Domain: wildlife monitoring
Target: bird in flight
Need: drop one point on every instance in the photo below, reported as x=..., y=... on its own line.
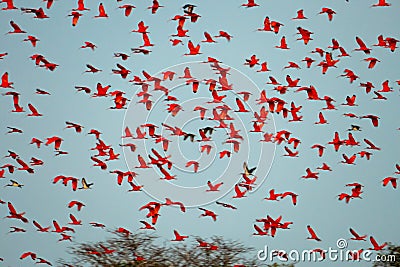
x=188, y=8
x=85, y=185
x=312, y=236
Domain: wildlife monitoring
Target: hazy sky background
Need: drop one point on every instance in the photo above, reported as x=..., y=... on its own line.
x=375, y=214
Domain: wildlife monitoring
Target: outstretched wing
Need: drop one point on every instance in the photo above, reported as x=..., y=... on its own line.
x=11, y=208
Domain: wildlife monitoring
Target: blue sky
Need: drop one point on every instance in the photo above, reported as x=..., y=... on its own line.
x=375, y=214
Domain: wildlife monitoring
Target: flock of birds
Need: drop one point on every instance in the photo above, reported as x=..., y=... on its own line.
x=216, y=112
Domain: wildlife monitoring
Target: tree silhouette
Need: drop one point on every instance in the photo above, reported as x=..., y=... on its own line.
x=140, y=249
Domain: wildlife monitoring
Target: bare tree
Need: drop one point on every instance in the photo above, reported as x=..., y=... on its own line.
x=139, y=249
